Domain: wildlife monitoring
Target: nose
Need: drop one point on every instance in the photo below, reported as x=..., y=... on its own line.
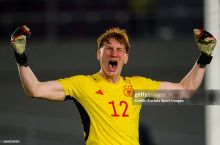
x=114, y=52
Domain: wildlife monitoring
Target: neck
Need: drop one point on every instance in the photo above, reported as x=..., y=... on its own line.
x=113, y=79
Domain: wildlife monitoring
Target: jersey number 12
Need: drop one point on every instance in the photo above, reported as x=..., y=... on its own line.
x=122, y=104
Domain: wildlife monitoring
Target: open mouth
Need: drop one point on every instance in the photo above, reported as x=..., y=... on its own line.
x=113, y=64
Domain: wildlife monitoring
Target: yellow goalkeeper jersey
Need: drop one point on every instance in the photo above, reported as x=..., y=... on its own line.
x=108, y=115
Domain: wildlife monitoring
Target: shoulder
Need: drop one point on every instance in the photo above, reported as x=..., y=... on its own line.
x=76, y=79
x=137, y=78
x=141, y=82
x=80, y=77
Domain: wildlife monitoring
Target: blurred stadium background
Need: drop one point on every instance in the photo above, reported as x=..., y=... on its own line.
x=63, y=43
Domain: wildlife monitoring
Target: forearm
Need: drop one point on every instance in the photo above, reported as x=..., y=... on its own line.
x=194, y=78
x=48, y=90
x=206, y=43
x=191, y=82
x=28, y=79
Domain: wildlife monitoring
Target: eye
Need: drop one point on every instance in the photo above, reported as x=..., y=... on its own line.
x=121, y=49
x=108, y=48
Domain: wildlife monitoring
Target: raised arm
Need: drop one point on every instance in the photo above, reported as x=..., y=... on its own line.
x=191, y=82
x=51, y=90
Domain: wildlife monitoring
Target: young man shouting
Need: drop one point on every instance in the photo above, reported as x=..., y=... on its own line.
x=104, y=99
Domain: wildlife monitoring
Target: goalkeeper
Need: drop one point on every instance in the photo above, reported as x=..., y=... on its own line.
x=104, y=99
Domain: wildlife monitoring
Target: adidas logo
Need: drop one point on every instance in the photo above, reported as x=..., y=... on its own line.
x=99, y=92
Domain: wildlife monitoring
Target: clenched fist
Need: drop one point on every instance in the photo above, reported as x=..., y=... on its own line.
x=206, y=44
x=205, y=41
x=18, y=43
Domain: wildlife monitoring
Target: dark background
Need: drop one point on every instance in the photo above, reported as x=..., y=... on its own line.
x=63, y=43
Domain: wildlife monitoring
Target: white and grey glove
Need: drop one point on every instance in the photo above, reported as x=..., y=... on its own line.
x=206, y=43
x=18, y=43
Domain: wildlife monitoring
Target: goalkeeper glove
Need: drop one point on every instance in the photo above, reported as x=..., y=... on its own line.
x=206, y=44
x=18, y=42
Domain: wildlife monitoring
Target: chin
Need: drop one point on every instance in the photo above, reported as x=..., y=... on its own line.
x=112, y=74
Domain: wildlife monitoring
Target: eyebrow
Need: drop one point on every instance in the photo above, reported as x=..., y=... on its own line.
x=108, y=46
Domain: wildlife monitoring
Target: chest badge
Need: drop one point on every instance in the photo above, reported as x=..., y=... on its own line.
x=128, y=90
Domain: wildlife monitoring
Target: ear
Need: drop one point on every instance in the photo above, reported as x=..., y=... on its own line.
x=98, y=54
x=126, y=58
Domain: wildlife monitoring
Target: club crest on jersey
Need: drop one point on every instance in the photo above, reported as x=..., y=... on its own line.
x=128, y=90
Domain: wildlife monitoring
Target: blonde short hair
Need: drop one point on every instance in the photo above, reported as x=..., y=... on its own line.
x=119, y=34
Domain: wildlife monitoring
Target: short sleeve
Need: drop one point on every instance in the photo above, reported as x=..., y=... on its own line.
x=143, y=83
x=72, y=85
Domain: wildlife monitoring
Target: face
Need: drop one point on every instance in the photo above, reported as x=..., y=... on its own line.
x=112, y=57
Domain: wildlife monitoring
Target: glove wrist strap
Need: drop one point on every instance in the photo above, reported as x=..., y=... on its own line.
x=21, y=59
x=204, y=59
